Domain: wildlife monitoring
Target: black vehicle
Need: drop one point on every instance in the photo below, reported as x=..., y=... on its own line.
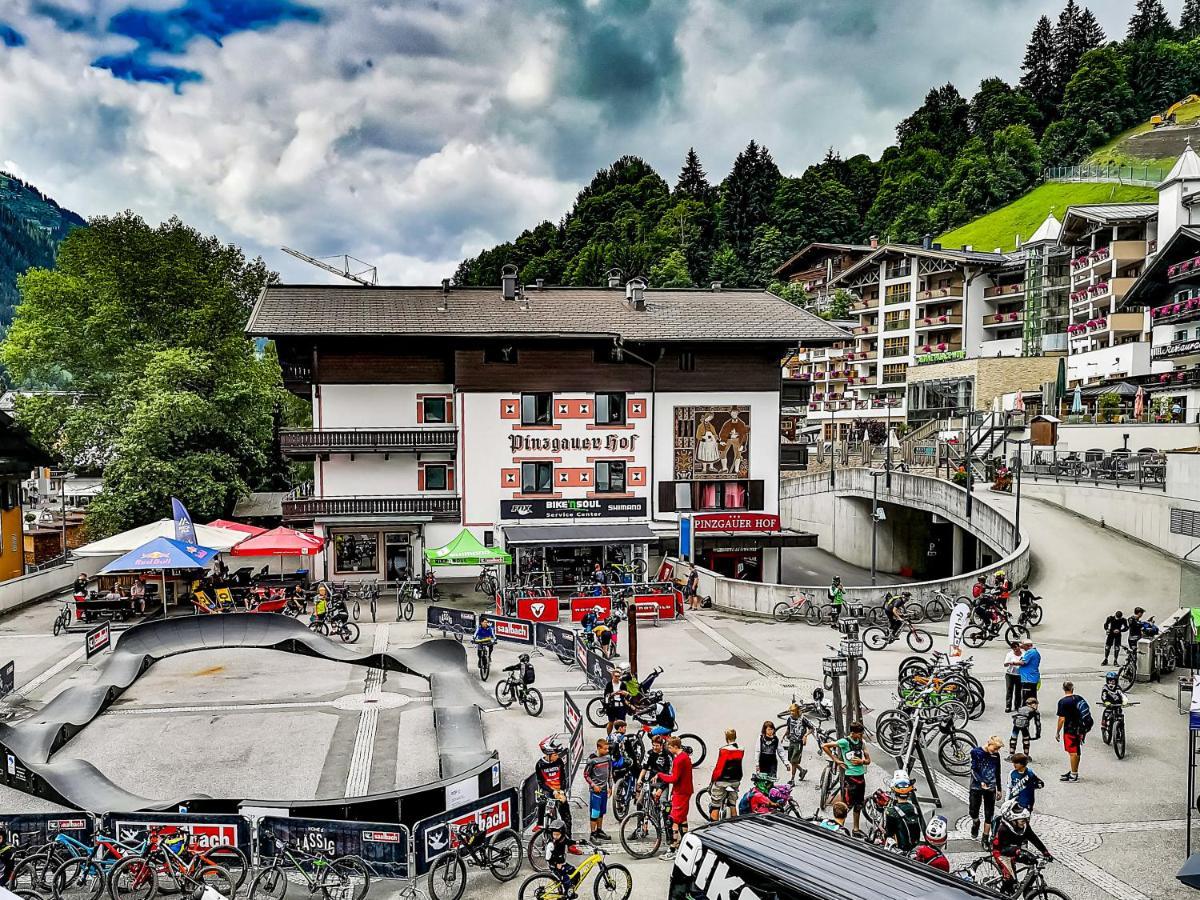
x=777, y=856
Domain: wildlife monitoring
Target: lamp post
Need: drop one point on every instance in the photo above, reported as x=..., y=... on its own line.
x=1017, y=517
x=874, y=521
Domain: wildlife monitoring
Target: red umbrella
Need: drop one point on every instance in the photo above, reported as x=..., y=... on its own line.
x=280, y=542
x=230, y=525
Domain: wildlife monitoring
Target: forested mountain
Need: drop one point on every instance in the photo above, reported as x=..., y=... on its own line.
x=954, y=158
x=31, y=227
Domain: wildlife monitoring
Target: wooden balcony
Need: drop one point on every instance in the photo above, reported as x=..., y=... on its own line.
x=311, y=442
x=936, y=322
x=940, y=293
x=1004, y=290
x=427, y=506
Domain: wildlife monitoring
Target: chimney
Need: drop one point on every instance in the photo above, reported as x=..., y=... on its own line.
x=716, y=286
x=539, y=283
x=937, y=246
x=614, y=278
x=445, y=286
x=635, y=294
x=508, y=282
x=927, y=241
x=874, y=242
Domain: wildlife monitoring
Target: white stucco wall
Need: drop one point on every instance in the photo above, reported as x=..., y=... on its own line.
x=1108, y=437
x=371, y=405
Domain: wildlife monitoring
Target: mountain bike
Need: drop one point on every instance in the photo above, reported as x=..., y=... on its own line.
x=406, y=593
x=488, y=582
x=499, y=853
x=1027, y=868
x=693, y=745
x=726, y=810
x=483, y=652
x=1127, y=672
x=976, y=635
x=947, y=686
x=1031, y=609
x=138, y=877
x=894, y=732
x=613, y=881
x=334, y=878
x=336, y=624
x=1112, y=727
x=628, y=573
x=643, y=829
x=512, y=689
x=802, y=606
x=877, y=637
x=63, y=619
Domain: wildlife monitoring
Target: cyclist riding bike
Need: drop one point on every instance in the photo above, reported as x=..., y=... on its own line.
x=664, y=716
x=550, y=772
x=321, y=604
x=1012, y=834
x=485, y=638
x=524, y=669
x=893, y=607
x=929, y=851
x=757, y=800
x=591, y=619
x=1111, y=696
x=557, y=849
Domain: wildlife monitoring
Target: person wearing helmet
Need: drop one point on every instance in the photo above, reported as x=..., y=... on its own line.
x=557, y=848
x=852, y=756
x=837, y=596
x=664, y=717
x=979, y=588
x=590, y=619
x=1012, y=834
x=550, y=773
x=781, y=795
x=1111, y=697
x=929, y=850
x=758, y=798
x=524, y=669
x=902, y=820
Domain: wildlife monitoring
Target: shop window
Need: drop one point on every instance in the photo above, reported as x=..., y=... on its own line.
x=398, y=550
x=728, y=495
x=434, y=409
x=437, y=478
x=537, y=477
x=537, y=409
x=610, y=409
x=356, y=552
x=610, y=477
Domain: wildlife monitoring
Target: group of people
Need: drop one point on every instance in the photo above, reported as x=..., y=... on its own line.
x=1134, y=628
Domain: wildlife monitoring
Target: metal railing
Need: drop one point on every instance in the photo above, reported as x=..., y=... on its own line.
x=313, y=440
x=1144, y=176
x=447, y=507
x=1119, y=469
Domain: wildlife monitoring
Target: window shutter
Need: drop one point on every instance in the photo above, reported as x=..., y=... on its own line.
x=666, y=496
x=420, y=478
x=756, y=495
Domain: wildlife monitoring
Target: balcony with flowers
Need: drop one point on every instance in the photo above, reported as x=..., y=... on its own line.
x=1184, y=309
x=1003, y=319
x=944, y=320
x=1004, y=290
x=1184, y=268
x=952, y=291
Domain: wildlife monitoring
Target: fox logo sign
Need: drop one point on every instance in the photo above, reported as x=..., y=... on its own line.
x=708, y=873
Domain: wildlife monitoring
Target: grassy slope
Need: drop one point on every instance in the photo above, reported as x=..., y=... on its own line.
x=1022, y=217
x=1120, y=151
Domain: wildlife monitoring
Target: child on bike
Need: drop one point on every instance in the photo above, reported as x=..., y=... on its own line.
x=485, y=637
x=524, y=669
x=1111, y=696
x=1026, y=717
x=1012, y=834
x=757, y=800
x=551, y=776
x=768, y=750
x=556, y=856
x=902, y=820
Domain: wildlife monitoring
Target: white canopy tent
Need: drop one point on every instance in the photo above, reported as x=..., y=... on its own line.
x=218, y=538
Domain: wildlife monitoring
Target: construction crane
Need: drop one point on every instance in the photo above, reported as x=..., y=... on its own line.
x=367, y=275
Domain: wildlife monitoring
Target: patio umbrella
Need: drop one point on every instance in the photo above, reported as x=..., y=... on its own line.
x=1077, y=402
x=230, y=525
x=159, y=555
x=1060, y=383
x=1019, y=402
x=280, y=542
x=1139, y=403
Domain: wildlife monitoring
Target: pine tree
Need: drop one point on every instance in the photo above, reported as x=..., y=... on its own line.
x=693, y=180
x=746, y=196
x=1150, y=22
x=1091, y=34
x=1038, y=80
x=1189, y=20
x=1068, y=46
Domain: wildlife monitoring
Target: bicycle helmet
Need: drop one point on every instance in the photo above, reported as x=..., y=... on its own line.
x=550, y=746
x=762, y=781
x=1110, y=678
x=1017, y=814
x=556, y=825
x=935, y=831
x=781, y=793
x=818, y=694
x=524, y=657
x=902, y=784
x=981, y=578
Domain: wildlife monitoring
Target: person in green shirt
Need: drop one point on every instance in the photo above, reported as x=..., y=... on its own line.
x=837, y=596
x=853, y=757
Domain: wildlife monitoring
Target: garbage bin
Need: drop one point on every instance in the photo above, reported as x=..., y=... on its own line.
x=1185, y=694
x=1145, y=659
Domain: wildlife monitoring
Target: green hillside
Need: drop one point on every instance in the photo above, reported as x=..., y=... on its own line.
x=1022, y=217
x=1144, y=145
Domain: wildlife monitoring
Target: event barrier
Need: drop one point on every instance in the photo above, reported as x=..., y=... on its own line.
x=538, y=609
x=573, y=728
x=449, y=620
x=203, y=830
x=582, y=605
x=529, y=789
x=384, y=847
x=518, y=631
x=35, y=829
x=432, y=837
x=555, y=639
x=596, y=668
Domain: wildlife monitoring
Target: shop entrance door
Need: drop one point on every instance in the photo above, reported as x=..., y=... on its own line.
x=745, y=565
x=398, y=558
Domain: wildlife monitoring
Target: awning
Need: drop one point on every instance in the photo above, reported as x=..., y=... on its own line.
x=161, y=554
x=465, y=550
x=578, y=534
x=752, y=540
x=218, y=538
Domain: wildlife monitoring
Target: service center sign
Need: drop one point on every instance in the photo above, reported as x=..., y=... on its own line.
x=735, y=522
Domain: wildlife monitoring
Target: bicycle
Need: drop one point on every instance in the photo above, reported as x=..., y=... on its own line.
x=512, y=690
x=642, y=830
x=628, y=573
x=1030, y=885
x=918, y=639
x=63, y=619
x=976, y=635
x=1127, y=671
x=406, y=593
x=488, y=582
x=1112, y=727
x=947, y=686
x=614, y=881
x=499, y=853
x=336, y=624
x=137, y=877
x=334, y=878
x=90, y=865
x=1031, y=609
x=726, y=810
x=894, y=733
x=693, y=744
x=802, y=606
x=483, y=651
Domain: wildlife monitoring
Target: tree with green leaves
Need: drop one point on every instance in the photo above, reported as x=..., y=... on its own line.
x=939, y=123
x=1068, y=46
x=792, y=293
x=996, y=106
x=1189, y=20
x=693, y=180
x=1149, y=22
x=768, y=251
x=1037, y=70
x=728, y=269
x=746, y=196
x=169, y=397
x=814, y=207
x=1091, y=33
x=671, y=272
x=839, y=304
x=1099, y=92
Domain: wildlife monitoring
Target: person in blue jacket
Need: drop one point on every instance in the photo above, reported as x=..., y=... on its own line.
x=1030, y=669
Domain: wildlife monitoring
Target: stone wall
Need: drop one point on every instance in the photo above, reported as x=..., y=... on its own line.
x=994, y=376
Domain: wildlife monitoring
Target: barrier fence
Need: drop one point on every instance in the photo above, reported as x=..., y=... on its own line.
x=434, y=836
x=383, y=846
x=35, y=829
x=203, y=830
x=573, y=728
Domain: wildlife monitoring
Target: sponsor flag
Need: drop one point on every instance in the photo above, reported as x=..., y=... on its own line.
x=185, y=531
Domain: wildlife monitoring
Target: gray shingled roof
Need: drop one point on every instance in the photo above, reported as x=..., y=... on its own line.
x=670, y=315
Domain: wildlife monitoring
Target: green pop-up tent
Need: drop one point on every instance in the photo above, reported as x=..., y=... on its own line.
x=465, y=550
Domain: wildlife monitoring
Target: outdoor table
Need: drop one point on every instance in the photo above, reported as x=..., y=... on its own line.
x=103, y=607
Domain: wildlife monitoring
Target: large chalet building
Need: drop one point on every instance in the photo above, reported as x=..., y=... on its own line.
x=568, y=425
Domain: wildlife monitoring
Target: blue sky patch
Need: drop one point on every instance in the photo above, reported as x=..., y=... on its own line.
x=135, y=67
x=10, y=37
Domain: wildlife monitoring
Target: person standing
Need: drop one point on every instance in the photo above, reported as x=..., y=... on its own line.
x=1114, y=626
x=853, y=757
x=680, y=780
x=768, y=750
x=837, y=596
x=598, y=775
x=616, y=701
x=1012, y=677
x=1026, y=717
x=796, y=729
x=1134, y=631
x=985, y=783
x=691, y=587
x=1030, y=669
x=137, y=595
x=726, y=776
x=1074, y=718
x=1023, y=782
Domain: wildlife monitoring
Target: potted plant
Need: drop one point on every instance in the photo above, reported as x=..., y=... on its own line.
x=941, y=347
x=1012, y=317
x=943, y=319
x=927, y=321
x=927, y=349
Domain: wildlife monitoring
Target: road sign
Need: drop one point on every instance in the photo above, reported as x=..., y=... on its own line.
x=96, y=640
x=852, y=648
x=835, y=665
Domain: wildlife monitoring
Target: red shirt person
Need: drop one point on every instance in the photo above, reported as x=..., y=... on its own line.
x=680, y=779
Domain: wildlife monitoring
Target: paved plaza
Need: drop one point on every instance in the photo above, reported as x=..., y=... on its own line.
x=271, y=725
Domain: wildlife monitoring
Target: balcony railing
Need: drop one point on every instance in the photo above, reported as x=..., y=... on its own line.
x=939, y=293
x=892, y=299
x=1183, y=310
x=1003, y=318
x=431, y=506
x=864, y=304
x=897, y=325
x=1183, y=269
x=859, y=356
x=935, y=322
x=1004, y=290
x=366, y=440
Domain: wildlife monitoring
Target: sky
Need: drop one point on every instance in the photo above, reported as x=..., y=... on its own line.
x=413, y=133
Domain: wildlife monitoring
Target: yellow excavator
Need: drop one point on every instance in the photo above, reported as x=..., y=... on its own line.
x=1168, y=117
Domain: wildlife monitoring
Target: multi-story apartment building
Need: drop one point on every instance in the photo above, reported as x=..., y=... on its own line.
x=570, y=425
x=816, y=265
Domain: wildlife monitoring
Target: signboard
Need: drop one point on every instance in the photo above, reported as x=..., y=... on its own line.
x=35, y=829
x=383, y=846
x=573, y=727
x=555, y=639
x=959, y=617
x=538, y=609
x=205, y=831
x=529, y=791
x=8, y=678
x=852, y=648
x=517, y=631
x=434, y=836
x=580, y=606
x=1194, y=709
x=663, y=606
x=97, y=640
x=735, y=522
x=947, y=356
x=835, y=665
x=686, y=550
x=1176, y=348
x=448, y=619
x=16, y=774
x=587, y=508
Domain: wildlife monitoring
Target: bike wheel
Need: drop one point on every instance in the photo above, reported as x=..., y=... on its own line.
x=913, y=612
x=956, y=711
x=76, y=879
x=504, y=693
x=504, y=855
x=270, y=883
x=1125, y=677
x=232, y=860
x=641, y=835
x=876, y=615
x=920, y=640
x=613, y=883
x=58, y=625
x=35, y=872
x=540, y=887
x=485, y=666
x=1046, y=893
x=913, y=665
x=1015, y=633
x=694, y=747
x=937, y=609
x=374, y=606
x=954, y=753
x=536, y=851
x=701, y=801
x=1035, y=614
x=974, y=636
x=892, y=730
x=349, y=633
x=448, y=878
x=219, y=880
x=1118, y=738
x=621, y=795
x=408, y=609
x=783, y=612
x=812, y=614
x=1106, y=731
x=133, y=878
x=356, y=874
x=533, y=702
x=875, y=637
x=595, y=712
x=357, y=609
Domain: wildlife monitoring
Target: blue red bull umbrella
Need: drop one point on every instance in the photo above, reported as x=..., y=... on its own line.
x=162, y=554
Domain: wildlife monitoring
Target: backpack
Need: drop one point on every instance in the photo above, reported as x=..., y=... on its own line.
x=743, y=806
x=529, y=675
x=1086, y=722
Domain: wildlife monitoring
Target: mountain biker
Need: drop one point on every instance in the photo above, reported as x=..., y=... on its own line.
x=597, y=773
x=1026, y=715
x=551, y=776
x=485, y=637
x=635, y=689
x=797, y=728
x=1114, y=626
x=524, y=669
x=780, y=795
x=1134, y=624
x=616, y=705
x=929, y=851
x=556, y=855
x=985, y=784
x=902, y=820
x=591, y=618
x=624, y=748
x=758, y=798
x=1001, y=587
x=837, y=596
x=1012, y=834
x=321, y=604
x=1111, y=696
x=664, y=715
x=853, y=757
x=979, y=588
x=768, y=750
x=893, y=607
x=726, y=775
x=680, y=780
x=8, y=854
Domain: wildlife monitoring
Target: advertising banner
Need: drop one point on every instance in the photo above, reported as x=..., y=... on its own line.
x=34, y=829
x=528, y=803
x=448, y=620
x=959, y=617
x=662, y=605
x=734, y=523
x=518, y=631
x=205, y=831
x=598, y=669
x=554, y=639
x=538, y=609
x=383, y=846
x=97, y=640
x=8, y=678
x=573, y=728
x=580, y=606
x=434, y=836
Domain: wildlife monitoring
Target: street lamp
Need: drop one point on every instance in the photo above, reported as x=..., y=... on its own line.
x=1017, y=517
x=877, y=516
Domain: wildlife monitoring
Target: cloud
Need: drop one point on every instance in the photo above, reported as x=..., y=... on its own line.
x=412, y=133
x=10, y=37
